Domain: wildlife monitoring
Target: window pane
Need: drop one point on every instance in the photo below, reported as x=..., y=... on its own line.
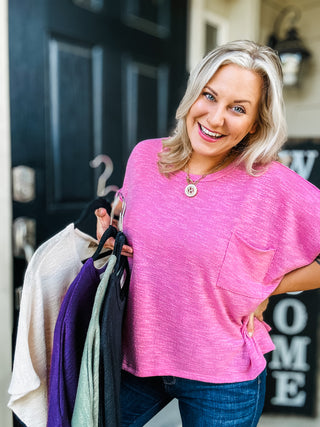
x=211, y=37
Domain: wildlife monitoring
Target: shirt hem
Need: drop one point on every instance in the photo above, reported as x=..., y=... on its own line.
x=225, y=379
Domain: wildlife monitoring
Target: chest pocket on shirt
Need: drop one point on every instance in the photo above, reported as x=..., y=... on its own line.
x=244, y=268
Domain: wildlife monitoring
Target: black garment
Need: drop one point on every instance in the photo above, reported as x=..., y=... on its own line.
x=112, y=313
x=87, y=222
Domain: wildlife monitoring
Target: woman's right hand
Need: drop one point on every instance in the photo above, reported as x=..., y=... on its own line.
x=103, y=222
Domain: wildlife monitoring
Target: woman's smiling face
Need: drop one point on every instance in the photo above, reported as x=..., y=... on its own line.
x=225, y=112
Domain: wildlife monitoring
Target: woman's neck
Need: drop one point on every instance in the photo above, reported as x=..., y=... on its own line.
x=204, y=166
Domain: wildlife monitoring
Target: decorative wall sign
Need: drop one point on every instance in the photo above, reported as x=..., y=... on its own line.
x=292, y=366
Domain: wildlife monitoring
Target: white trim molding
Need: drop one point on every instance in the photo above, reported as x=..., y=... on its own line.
x=200, y=17
x=6, y=305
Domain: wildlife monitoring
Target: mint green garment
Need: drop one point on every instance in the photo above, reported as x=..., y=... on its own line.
x=86, y=408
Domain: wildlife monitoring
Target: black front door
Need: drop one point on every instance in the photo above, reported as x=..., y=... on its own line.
x=87, y=77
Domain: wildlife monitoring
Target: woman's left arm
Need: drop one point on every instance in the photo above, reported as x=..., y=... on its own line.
x=302, y=279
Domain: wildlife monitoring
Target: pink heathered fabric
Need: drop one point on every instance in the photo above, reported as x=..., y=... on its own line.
x=201, y=265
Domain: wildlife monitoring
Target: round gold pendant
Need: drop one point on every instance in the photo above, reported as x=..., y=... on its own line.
x=190, y=190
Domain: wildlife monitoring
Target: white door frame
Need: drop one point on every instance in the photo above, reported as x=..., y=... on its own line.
x=6, y=305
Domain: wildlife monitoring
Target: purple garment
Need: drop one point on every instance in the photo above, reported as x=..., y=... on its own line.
x=68, y=343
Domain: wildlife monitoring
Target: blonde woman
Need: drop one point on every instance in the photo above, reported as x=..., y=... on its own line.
x=215, y=226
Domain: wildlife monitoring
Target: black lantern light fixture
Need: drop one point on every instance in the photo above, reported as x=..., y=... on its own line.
x=291, y=49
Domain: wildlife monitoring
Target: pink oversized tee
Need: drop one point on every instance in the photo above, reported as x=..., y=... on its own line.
x=201, y=265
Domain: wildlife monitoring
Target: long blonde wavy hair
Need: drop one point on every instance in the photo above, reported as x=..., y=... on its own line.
x=257, y=149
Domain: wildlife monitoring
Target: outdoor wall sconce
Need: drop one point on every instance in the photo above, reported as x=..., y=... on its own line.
x=292, y=52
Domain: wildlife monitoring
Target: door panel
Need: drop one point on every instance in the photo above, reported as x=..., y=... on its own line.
x=146, y=90
x=149, y=17
x=75, y=121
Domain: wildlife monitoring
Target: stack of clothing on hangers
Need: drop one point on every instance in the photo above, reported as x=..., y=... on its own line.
x=67, y=362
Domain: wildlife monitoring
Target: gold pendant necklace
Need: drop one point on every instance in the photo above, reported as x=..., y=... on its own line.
x=191, y=188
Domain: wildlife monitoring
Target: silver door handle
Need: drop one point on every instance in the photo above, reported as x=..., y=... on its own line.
x=23, y=184
x=24, y=237
x=24, y=241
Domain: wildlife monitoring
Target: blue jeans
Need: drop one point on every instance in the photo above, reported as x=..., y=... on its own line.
x=201, y=404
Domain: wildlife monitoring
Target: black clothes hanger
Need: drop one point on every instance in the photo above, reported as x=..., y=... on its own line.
x=122, y=263
x=87, y=222
x=111, y=231
x=118, y=244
